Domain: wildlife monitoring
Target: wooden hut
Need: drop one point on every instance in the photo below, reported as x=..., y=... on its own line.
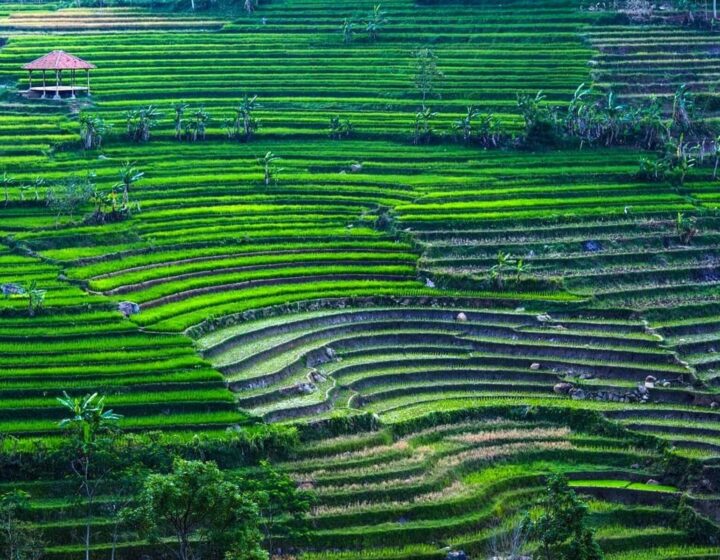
x=58, y=62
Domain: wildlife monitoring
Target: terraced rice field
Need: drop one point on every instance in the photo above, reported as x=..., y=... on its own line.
x=359, y=288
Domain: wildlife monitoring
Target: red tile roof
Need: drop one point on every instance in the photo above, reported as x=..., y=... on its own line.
x=58, y=60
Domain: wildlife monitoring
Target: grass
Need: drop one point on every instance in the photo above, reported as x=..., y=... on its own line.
x=371, y=247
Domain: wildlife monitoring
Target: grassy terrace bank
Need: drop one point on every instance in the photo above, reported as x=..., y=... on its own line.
x=358, y=295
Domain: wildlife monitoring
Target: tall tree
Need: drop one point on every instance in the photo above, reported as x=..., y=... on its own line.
x=90, y=429
x=562, y=526
x=278, y=498
x=427, y=72
x=18, y=539
x=205, y=514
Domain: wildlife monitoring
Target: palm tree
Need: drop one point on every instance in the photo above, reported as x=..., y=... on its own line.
x=245, y=124
x=683, y=107
x=179, y=109
x=7, y=182
x=87, y=424
x=504, y=260
x=197, y=127
x=348, y=28
x=268, y=163
x=423, y=129
x=38, y=183
x=36, y=298
x=464, y=125
x=129, y=175
x=92, y=131
x=376, y=21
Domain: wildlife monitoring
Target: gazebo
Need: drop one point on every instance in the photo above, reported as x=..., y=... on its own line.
x=58, y=62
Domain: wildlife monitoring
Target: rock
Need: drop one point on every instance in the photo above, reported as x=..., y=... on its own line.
x=652, y=482
x=305, y=388
x=714, y=404
x=330, y=353
x=591, y=246
x=635, y=466
x=543, y=317
x=11, y=290
x=519, y=310
x=128, y=308
x=707, y=485
x=456, y=555
x=578, y=394
x=356, y=167
x=562, y=388
x=666, y=384
x=650, y=381
x=429, y=283
x=642, y=390
x=535, y=366
x=586, y=376
x=461, y=317
x=316, y=377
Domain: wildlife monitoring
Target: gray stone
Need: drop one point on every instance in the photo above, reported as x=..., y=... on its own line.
x=578, y=394
x=562, y=388
x=535, y=366
x=305, y=388
x=128, y=308
x=652, y=482
x=11, y=289
x=592, y=246
x=461, y=317
x=330, y=353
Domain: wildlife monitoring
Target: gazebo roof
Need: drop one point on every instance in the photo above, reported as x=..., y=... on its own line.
x=58, y=60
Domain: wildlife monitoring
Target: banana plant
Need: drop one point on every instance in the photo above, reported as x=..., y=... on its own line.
x=129, y=175
x=269, y=164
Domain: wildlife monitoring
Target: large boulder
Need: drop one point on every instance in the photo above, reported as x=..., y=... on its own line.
x=128, y=308
x=562, y=388
x=11, y=290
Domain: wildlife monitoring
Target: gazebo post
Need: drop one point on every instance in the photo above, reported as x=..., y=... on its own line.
x=87, y=72
x=72, y=84
x=57, y=84
x=43, y=93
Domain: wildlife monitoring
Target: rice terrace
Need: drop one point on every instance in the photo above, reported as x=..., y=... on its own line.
x=359, y=279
